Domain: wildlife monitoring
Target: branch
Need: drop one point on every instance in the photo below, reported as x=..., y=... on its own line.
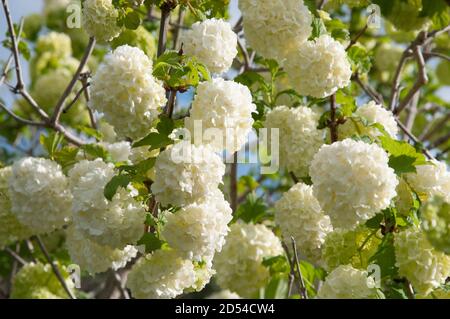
x=413, y=138
x=176, y=36
x=396, y=83
x=54, y=267
x=441, y=140
x=84, y=77
x=171, y=102
x=16, y=256
x=437, y=55
x=163, y=27
x=333, y=122
x=21, y=120
x=73, y=82
x=245, y=54
x=368, y=90
x=303, y=291
x=355, y=39
x=15, y=47
x=75, y=99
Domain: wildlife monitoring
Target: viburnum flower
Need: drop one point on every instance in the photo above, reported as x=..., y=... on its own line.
x=119, y=151
x=185, y=173
x=272, y=27
x=38, y=281
x=335, y=4
x=418, y=261
x=352, y=181
x=319, y=68
x=213, y=42
x=239, y=264
x=431, y=179
x=52, y=5
x=371, y=113
x=100, y=19
x=11, y=229
x=225, y=106
x=435, y=216
x=58, y=45
x=140, y=38
x=299, y=138
x=354, y=247
x=39, y=194
x=95, y=258
x=346, y=282
x=299, y=215
x=203, y=274
x=161, y=275
x=198, y=230
x=125, y=91
x=114, y=223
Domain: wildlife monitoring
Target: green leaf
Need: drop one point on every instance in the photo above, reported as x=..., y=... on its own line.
x=114, y=184
x=51, y=143
x=89, y=131
x=277, y=288
x=318, y=28
x=375, y=222
x=66, y=157
x=96, y=151
x=252, y=210
x=155, y=140
x=385, y=257
x=360, y=59
x=277, y=265
x=437, y=11
x=347, y=103
x=165, y=125
x=151, y=242
x=132, y=20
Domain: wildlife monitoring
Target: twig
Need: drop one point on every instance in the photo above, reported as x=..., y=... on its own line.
x=120, y=285
x=421, y=80
x=75, y=99
x=84, y=78
x=409, y=289
x=333, y=122
x=6, y=69
x=358, y=35
x=233, y=183
x=437, y=55
x=413, y=138
x=441, y=140
x=429, y=133
x=163, y=27
x=294, y=178
x=368, y=90
x=73, y=82
x=16, y=256
x=12, y=33
x=303, y=291
x=19, y=119
x=176, y=35
x=441, y=154
x=244, y=54
x=54, y=267
x=292, y=272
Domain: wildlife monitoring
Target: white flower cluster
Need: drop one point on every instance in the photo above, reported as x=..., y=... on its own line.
x=352, y=181
x=417, y=260
x=55, y=44
x=319, y=68
x=93, y=257
x=432, y=179
x=213, y=42
x=125, y=91
x=299, y=215
x=224, y=294
x=161, y=275
x=39, y=193
x=435, y=216
x=185, y=173
x=225, y=106
x=346, y=282
x=372, y=113
x=273, y=27
x=11, y=229
x=299, y=137
x=119, y=151
x=198, y=230
x=100, y=19
x=114, y=223
x=38, y=281
x=239, y=264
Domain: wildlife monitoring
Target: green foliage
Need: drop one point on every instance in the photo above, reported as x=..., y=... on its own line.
x=385, y=257
x=360, y=59
x=151, y=242
x=253, y=210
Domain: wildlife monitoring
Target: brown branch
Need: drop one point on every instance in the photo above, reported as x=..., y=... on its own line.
x=15, y=46
x=73, y=82
x=333, y=121
x=19, y=119
x=244, y=52
x=55, y=268
x=294, y=178
x=441, y=140
x=444, y=151
x=163, y=28
x=84, y=77
x=75, y=99
x=355, y=39
x=395, y=90
x=368, y=90
x=436, y=55
x=176, y=35
x=16, y=256
x=413, y=138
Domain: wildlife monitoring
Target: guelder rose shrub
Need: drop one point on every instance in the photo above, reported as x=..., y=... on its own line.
x=199, y=149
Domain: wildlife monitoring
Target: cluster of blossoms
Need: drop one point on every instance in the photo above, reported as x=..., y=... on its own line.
x=274, y=27
x=37, y=281
x=318, y=68
x=125, y=91
x=213, y=43
x=435, y=216
x=418, y=261
x=239, y=264
x=299, y=215
x=299, y=137
x=140, y=38
x=224, y=111
x=100, y=19
x=115, y=223
x=40, y=195
x=346, y=282
x=371, y=113
x=352, y=181
x=432, y=179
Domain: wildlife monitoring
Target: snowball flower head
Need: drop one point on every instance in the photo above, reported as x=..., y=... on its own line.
x=185, y=173
x=299, y=215
x=239, y=264
x=346, y=282
x=299, y=137
x=161, y=275
x=38, y=281
x=58, y=45
x=198, y=230
x=435, y=216
x=431, y=179
x=95, y=258
x=100, y=19
x=319, y=68
x=352, y=181
x=115, y=223
x=223, y=294
x=119, y=151
x=372, y=113
x=222, y=111
x=11, y=229
x=39, y=193
x=272, y=26
x=140, y=38
x=213, y=42
x=125, y=91
x=417, y=260
x=354, y=247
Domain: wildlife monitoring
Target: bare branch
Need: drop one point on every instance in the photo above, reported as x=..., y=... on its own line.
x=368, y=90
x=355, y=39
x=437, y=55
x=246, y=65
x=163, y=28
x=441, y=140
x=395, y=90
x=16, y=256
x=19, y=119
x=176, y=35
x=303, y=291
x=333, y=122
x=413, y=138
